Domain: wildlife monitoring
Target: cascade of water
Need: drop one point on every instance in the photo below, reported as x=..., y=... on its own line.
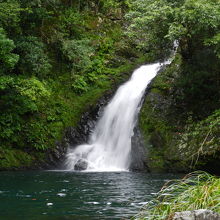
x=110, y=144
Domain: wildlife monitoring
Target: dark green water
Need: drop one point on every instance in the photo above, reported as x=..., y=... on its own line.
x=72, y=195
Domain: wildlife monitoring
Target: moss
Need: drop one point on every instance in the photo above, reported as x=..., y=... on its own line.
x=14, y=159
x=180, y=140
x=156, y=134
x=17, y=159
x=156, y=161
x=159, y=122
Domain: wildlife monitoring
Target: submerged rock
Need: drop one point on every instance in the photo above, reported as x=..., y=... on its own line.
x=201, y=214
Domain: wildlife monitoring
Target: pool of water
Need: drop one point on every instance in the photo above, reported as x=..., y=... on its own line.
x=43, y=195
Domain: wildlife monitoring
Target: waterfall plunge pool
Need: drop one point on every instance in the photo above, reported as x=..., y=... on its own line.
x=43, y=195
x=66, y=195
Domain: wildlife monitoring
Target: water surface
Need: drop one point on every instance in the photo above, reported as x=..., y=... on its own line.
x=76, y=195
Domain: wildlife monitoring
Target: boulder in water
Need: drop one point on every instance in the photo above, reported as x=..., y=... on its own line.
x=81, y=165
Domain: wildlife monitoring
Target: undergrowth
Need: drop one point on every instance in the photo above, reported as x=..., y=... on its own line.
x=201, y=138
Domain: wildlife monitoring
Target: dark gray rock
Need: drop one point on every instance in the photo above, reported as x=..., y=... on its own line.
x=81, y=165
x=201, y=214
x=53, y=157
x=138, y=151
x=80, y=134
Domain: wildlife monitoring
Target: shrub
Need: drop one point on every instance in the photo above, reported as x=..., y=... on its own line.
x=33, y=59
x=7, y=58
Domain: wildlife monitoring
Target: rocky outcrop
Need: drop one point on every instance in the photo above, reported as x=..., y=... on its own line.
x=201, y=214
x=179, y=135
x=138, y=151
x=75, y=136
x=80, y=134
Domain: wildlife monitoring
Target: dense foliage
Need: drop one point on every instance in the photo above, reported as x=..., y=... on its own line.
x=155, y=25
x=193, y=25
x=181, y=113
x=57, y=58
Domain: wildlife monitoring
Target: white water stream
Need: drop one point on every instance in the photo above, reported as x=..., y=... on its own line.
x=109, y=145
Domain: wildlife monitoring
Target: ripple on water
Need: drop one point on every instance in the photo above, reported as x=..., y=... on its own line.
x=61, y=194
x=94, y=203
x=68, y=195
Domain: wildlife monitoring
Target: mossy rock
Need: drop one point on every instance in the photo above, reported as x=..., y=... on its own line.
x=173, y=141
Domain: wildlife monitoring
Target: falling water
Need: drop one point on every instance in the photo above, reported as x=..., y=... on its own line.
x=109, y=145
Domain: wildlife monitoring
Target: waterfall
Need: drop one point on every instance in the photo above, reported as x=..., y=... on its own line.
x=109, y=145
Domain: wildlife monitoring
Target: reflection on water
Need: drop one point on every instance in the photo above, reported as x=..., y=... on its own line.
x=75, y=195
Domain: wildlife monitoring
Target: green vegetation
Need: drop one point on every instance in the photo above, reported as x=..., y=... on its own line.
x=181, y=132
x=179, y=118
x=200, y=143
x=193, y=192
x=57, y=58
x=156, y=24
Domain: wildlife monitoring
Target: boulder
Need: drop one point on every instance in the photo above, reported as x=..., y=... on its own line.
x=81, y=165
x=201, y=214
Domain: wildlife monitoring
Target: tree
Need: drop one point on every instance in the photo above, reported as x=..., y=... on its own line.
x=149, y=23
x=7, y=58
x=10, y=15
x=156, y=24
x=78, y=53
x=34, y=60
x=194, y=23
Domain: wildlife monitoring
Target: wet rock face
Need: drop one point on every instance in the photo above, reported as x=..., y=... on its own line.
x=138, y=151
x=79, y=135
x=201, y=214
x=53, y=158
x=73, y=136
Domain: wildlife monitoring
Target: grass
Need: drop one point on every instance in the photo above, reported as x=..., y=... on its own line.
x=198, y=190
